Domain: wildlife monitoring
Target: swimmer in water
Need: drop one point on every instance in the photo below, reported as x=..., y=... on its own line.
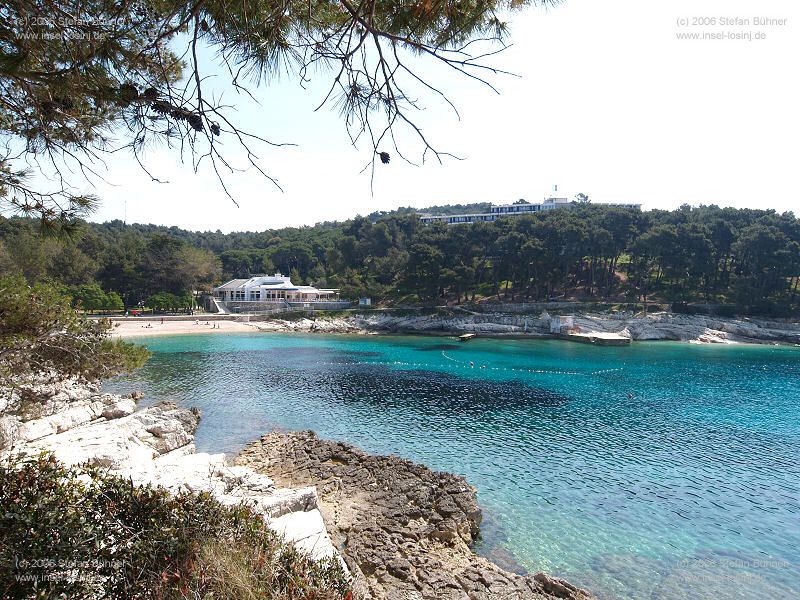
x=630, y=396
x=471, y=365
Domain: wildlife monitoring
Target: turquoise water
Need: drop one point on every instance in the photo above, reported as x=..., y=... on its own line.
x=656, y=471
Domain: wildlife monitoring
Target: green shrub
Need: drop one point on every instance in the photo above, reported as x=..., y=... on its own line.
x=40, y=333
x=165, y=302
x=82, y=533
x=91, y=297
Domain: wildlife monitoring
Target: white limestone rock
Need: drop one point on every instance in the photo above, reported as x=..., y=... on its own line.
x=9, y=431
x=306, y=530
x=288, y=500
x=122, y=408
x=131, y=440
x=165, y=427
x=76, y=414
x=654, y=326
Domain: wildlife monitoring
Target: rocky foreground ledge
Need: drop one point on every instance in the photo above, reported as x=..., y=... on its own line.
x=155, y=445
x=403, y=530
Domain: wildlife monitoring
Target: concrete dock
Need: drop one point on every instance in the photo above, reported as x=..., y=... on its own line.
x=598, y=338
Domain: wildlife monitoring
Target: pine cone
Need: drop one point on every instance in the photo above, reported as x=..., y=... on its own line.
x=195, y=121
x=127, y=93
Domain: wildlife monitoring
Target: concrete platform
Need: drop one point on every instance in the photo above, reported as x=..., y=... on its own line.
x=597, y=338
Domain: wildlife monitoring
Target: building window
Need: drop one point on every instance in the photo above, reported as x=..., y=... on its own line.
x=256, y=295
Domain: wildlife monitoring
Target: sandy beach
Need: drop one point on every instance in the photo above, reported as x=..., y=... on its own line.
x=133, y=327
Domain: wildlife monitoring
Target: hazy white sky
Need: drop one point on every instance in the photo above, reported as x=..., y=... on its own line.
x=610, y=103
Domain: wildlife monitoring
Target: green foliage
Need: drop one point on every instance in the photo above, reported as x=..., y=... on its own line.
x=114, y=302
x=121, y=261
x=750, y=258
x=166, y=302
x=85, y=534
x=92, y=297
x=40, y=333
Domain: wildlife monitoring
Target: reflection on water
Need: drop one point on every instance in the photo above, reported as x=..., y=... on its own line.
x=433, y=392
x=656, y=471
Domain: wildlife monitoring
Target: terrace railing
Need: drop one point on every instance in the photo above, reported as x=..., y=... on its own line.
x=277, y=307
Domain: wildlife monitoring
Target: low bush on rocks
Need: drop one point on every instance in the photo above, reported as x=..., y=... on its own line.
x=43, y=337
x=79, y=532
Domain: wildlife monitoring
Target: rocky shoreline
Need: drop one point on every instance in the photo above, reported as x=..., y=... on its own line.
x=655, y=326
x=627, y=326
x=402, y=530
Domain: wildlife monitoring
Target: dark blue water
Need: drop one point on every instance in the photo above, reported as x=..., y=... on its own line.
x=657, y=471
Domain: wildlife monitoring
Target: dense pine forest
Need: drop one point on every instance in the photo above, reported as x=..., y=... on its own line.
x=747, y=260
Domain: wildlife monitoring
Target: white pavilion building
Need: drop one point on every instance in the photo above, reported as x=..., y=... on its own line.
x=275, y=288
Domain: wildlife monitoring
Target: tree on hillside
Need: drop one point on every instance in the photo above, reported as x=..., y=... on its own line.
x=121, y=268
x=292, y=256
x=71, y=265
x=767, y=258
x=7, y=265
x=79, y=80
x=165, y=302
x=31, y=254
x=237, y=263
x=199, y=268
x=161, y=264
x=92, y=297
x=424, y=269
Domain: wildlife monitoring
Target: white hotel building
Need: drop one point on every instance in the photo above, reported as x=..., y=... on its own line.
x=498, y=211
x=268, y=291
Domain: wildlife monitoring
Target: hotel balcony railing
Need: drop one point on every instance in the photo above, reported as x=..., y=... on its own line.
x=274, y=306
x=277, y=300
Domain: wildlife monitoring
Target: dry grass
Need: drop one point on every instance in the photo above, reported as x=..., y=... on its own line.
x=221, y=570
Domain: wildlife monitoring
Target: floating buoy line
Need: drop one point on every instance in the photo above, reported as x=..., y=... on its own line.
x=472, y=366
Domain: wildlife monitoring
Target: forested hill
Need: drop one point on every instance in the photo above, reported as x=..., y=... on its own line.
x=748, y=258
